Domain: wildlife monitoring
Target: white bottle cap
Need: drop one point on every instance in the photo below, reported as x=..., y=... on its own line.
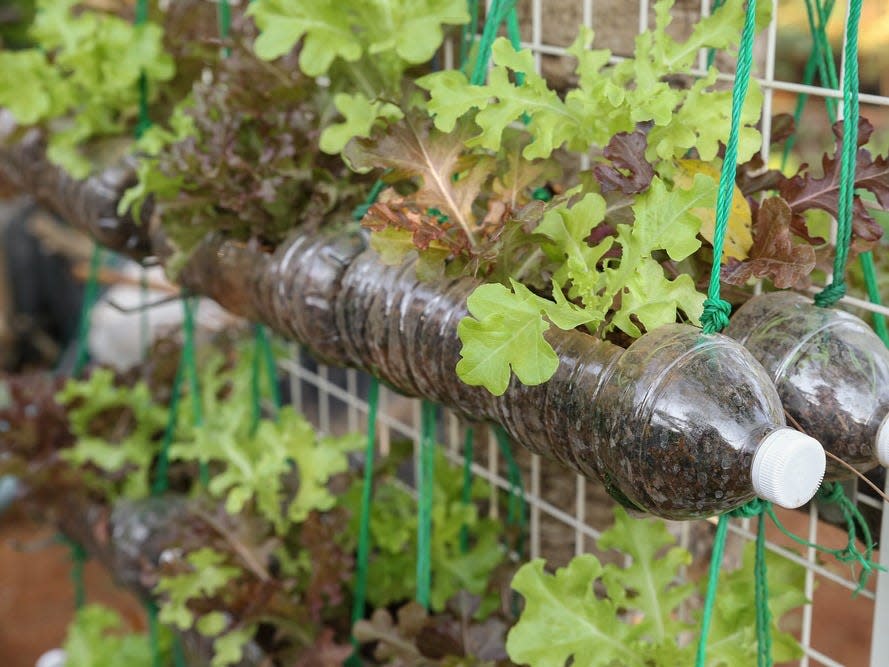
x=788, y=468
x=882, y=442
x=54, y=658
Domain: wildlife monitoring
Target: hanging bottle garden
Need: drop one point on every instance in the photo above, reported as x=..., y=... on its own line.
x=305, y=165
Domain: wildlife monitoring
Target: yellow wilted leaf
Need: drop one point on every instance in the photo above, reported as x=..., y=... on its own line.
x=738, y=237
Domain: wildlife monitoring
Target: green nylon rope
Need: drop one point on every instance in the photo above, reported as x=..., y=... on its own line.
x=467, y=34
x=363, y=553
x=154, y=630
x=224, y=14
x=714, y=319
x=820, y=53
x=763, y=615
x=426, y=493
x=78, y=558
x=866, y=259
x=817, y=16
x=712, y=581
x=517, y=507
x=161, y=478
x=144, y=121
x=498, y=12
x=832, y=493
x=711, y=53
x=362, y=556
x=190, y=361
x=81, y=357
x=90, y=296
x=716, y=310
x=821, y=58
x=837, y=287
x=263, y=361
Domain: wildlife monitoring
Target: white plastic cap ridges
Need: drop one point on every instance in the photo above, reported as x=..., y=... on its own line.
x=788, y=468
x=882, y=442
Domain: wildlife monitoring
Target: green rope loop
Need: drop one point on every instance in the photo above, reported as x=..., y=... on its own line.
x=715, y=315
x=466, y=496
x=854, y=522
x=837, y=288
x=426, y=493
x=752, y=509
x=362, y=557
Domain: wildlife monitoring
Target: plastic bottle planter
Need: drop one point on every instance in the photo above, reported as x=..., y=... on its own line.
x=831, y=371
x=680, y=424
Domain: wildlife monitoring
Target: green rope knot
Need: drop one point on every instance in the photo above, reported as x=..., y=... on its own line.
x=832, y=492
x=831, y=294
x=716, y=313
x=755, y=507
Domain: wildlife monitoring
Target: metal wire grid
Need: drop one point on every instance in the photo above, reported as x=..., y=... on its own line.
x=337, y=400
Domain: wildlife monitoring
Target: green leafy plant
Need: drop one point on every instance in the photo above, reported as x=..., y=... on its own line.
x=602, y=615
x=208, y=577
x=393, y=529
x=365, y=48
x=259, y=466
x=95, y=638
x=117, y=429
x=82, y=79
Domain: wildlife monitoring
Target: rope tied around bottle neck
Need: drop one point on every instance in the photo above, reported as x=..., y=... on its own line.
x=715, y=318
x=716, y=312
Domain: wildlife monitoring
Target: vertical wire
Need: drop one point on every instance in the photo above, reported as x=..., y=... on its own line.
x=494, y=470
x=643, y=16
x=535, y=507
x=579, y=514
x=324, y=400
x=385, y=431
x=809, y=586
x=352, y=389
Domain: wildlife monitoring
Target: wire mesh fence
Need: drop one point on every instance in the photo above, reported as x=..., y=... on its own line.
x=567, y=513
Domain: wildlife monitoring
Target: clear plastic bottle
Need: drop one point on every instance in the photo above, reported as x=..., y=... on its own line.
x=831, y=371
x=680, y=424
